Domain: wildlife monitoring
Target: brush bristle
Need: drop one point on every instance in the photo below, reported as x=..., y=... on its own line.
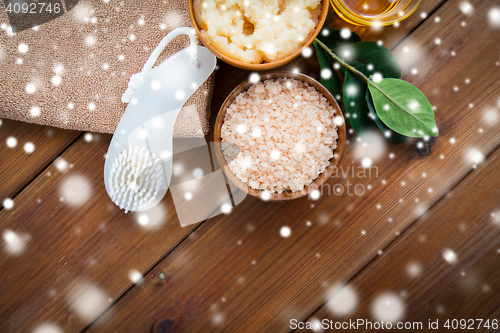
x=135, y=178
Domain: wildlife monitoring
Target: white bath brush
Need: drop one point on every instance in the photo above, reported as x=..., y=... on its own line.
x=138, y=165
x=135, y=178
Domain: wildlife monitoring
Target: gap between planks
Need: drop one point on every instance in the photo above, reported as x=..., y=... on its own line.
x=480, y=236
x=50, y=160
x=454, y=182
x=154, y=266
x=469, y=177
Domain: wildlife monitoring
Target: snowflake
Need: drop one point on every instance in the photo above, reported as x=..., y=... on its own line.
x=56, y=81
x=351, y=90
x=29, y=147
x=466, y=8
x=47, y=328
x=135, y=276
x=22, y=48
x=450, y=256
x=388, y=307
x=314, y=194
x=326, y=73
x=180, y=95
x=366, y=162
x=342, y=300
x=414, y=269
x=177, y=169
x=218, y=319
x=265, y=195
x=83, y=12
x=345, y=33
x=197, y=173
x=285, y=232
x=58, y=69
x=495, y=217
x=90, y=40
x=254, y=78
x=475, y=156
x=11, y=142
x=307, y=52
x=8, y=203
x=30, y=88
x=88, y=137
x=491, y=116
x=76, y=190
x=226, y=208
x=15, y=243
x=494, y=17
x=87, y=300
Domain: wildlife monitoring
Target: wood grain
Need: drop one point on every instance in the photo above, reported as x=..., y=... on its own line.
x=467, y=222
x=18, y=168
x=210, y=280
x=238, y=274
x=64, y=239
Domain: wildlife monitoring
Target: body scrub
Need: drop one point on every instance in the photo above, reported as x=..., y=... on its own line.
x=257, y=31
x=285, y=132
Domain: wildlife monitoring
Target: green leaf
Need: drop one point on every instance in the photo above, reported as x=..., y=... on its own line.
x=388, y=133
x=403, y=108
x=326, y=62
x=367, y=54
x=355, y=106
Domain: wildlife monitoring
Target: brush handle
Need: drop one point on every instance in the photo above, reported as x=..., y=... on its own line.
x=150, y=116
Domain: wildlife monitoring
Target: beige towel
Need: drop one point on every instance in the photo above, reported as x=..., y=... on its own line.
x=72, y=71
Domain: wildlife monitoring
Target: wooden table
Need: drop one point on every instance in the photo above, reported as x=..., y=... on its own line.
x=421, y=243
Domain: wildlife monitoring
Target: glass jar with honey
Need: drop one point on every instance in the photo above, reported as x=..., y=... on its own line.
x=374, y=12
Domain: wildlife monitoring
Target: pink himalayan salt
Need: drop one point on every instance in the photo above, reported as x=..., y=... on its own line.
x=285, y=132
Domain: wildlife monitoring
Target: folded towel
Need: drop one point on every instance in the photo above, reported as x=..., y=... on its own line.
x=71, y=72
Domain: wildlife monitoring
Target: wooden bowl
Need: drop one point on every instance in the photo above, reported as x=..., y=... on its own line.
x=322, y=178
x=266, y=65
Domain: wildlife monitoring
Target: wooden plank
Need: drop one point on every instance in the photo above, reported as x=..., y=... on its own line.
x=415, y=270
x=236, y=273
x=17, y=167
x=80, y=244
x=65, y=240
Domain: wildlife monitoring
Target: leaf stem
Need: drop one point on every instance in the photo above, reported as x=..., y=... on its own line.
x=365, y=78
